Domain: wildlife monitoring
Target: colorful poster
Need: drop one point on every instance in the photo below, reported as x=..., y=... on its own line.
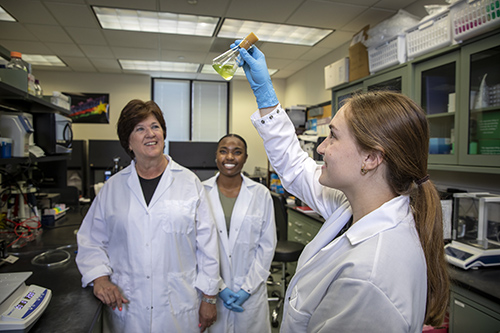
x=89, y=108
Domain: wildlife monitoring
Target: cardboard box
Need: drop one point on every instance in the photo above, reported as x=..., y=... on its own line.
x=337, y=73
x=358, y=56
x=15, y=77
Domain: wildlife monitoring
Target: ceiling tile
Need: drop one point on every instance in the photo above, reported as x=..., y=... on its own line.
x=15, y=31
x=325, y=14
x=132, y=53
x=131, y=4
x=371, y=16
x=336, y=39
x=29, y=11
x=185, y=43
x=97, y=51
x=203, y=7
x=107, y=65
x=73, y=15
x=79, y=64
x=49, y=33
x=179, y=56
x=65, y=49
x=315, y=53
x=28, y=47
x=263, y=10
x=90, y=36
x=285, y=51
x=131, y=39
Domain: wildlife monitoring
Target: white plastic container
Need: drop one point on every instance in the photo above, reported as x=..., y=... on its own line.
x=432, y=34
x=391, y=52
x=472, y=18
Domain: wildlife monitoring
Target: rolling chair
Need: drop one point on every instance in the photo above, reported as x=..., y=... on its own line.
x=286, y=251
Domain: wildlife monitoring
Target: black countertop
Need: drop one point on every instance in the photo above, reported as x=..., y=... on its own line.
x=72, y=308
x=484, y=281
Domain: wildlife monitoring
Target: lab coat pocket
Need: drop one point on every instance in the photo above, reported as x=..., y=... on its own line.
x=178, y=216
x=295, y=320
x=182, y=294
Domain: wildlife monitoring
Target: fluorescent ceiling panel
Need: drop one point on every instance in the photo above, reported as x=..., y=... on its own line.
x=161, y=22
x=208, y=69
x=162, y=66
x=4, y=16
x=43, y=60
x=270, y=32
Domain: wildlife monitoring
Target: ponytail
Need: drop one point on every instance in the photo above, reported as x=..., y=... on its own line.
x=427, y=213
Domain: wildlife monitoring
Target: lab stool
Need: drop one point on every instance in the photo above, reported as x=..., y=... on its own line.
x=286, y=252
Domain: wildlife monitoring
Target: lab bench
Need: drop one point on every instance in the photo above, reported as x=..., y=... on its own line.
x=72, y=308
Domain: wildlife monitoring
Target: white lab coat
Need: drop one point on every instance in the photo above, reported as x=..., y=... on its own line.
x=158, y=255
x=246, y=255
x=370, y=279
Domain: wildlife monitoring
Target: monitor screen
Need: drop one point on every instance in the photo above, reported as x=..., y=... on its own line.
x=193, y=155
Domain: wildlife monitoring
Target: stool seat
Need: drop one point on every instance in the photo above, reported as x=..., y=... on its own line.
x=288, y=251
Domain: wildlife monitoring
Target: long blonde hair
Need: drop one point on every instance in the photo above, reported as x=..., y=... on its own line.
x=395, y=125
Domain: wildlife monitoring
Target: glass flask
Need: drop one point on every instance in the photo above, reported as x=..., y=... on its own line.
x=228, y=62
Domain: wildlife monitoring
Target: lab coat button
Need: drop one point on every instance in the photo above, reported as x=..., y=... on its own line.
x=270, y=117
x=263, y=121
x=147, y=277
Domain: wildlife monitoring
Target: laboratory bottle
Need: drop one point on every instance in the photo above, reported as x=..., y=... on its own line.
x=228, y=62
x=38, y=88
x=16, y=61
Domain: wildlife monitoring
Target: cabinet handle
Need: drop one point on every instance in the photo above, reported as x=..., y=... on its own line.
x=298, y=232
x=298, y=224
x=460, y=304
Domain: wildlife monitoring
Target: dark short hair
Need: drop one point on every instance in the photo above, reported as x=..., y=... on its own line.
x=133, y=113
x=234, y=136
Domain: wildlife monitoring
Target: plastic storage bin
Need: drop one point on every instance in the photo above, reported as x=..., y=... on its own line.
x=472, y=18
x=390, y=53
x=429, y=35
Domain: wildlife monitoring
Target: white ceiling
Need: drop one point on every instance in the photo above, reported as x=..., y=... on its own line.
x=70, y=30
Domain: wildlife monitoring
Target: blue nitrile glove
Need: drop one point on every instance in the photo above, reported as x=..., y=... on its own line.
x=233, y=307
x=242, y=297
x=229, y=297
x=255, y=67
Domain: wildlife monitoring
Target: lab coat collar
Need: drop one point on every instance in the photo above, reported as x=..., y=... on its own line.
x=239, y=211
x=165, y=182
x=386, y=217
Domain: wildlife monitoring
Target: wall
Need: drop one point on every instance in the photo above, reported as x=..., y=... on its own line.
x=120, y=87
x=123, y=87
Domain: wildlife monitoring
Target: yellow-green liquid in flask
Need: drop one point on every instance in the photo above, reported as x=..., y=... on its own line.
x=226, y=71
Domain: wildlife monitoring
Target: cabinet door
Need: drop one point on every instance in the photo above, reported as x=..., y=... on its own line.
x=480, y=103
x=436, y=82
x=395, y=80
x=340, y=95
x=468, y=316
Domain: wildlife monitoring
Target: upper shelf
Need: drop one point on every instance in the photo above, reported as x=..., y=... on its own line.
x=15, y=99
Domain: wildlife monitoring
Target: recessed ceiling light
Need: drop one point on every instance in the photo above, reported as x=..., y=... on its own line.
x=270, y=32
x=161, y=66
x=161, y=22
x=4, y=16
x=43, y=60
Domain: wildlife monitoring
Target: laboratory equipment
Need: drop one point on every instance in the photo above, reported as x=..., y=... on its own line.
x=476, y=231
x=53, y=133
x=21, y=305
x=227, y=63
x=16, y=125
